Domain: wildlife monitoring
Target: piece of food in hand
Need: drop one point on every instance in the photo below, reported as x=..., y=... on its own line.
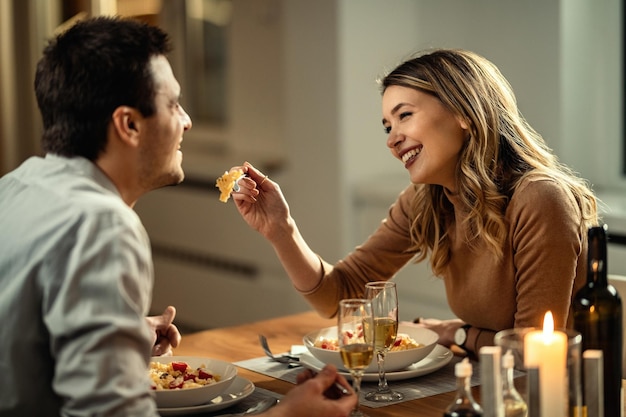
x=226, y=183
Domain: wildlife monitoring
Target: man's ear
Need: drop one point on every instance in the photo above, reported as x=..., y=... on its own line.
x=126, y=122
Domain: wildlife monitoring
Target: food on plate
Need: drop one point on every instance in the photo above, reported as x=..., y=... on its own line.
x=226, y=183
x=403, y=342
x=179, y=375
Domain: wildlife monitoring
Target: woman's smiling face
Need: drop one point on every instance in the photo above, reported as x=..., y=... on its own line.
x=424, y=135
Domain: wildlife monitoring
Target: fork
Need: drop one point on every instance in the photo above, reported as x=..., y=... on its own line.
x=292, y=360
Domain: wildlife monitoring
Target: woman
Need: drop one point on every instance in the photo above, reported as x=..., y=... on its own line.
x=502, y=222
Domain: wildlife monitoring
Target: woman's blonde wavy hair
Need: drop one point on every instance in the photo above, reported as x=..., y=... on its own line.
x=502, y=150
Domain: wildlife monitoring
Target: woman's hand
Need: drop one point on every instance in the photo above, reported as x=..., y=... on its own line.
x=261, y=202
x=262, y=205
x=166, y=334
x=444, y=328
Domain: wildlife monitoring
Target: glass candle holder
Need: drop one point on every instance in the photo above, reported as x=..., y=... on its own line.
x=513, y=340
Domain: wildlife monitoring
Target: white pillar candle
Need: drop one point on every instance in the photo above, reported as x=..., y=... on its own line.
x=547, y=351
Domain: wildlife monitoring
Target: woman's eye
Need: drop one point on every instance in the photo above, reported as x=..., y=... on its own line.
x=405, y=114
x=387, y=129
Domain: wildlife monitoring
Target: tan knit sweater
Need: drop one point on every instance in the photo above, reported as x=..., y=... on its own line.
x=544, y=264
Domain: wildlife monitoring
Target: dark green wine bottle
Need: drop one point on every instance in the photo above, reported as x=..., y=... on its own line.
x=598, y=317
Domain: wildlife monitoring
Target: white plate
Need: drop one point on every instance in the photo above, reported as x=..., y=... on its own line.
x=238, y=390
x=437, y=359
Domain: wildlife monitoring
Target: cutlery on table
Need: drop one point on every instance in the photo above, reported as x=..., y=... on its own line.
x=260, y=407
x=294, y=361
x=289, y=359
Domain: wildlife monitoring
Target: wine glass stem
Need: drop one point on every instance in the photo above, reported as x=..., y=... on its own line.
x=356, y=386
x=382, y=379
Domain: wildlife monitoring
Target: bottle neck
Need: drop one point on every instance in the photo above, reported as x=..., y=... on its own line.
x=598, y=278
x=509, y=377
x=463, y=384
x=596, y=258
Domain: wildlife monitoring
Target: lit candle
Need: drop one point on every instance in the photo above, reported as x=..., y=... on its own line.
x=547, y=351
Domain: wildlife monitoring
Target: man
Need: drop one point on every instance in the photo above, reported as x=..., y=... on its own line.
x=75, y=263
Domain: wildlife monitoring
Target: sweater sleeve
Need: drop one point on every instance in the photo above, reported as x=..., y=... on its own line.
x=377, y=259
x=547, y=243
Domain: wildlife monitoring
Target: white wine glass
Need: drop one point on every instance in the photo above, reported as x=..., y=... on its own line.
x=355, y=334
x=384, y=298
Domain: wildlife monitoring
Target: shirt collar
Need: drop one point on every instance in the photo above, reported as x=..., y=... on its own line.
x=87, y=168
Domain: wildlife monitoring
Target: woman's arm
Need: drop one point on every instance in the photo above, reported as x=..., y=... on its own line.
x=263, y=206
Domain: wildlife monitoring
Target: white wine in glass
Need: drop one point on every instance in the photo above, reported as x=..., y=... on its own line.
x=355, y=333
x=384, y=298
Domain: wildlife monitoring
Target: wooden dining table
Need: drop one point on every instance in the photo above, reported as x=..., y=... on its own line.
x=238, y=343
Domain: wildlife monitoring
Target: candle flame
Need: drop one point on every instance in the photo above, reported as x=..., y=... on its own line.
x=548, y=324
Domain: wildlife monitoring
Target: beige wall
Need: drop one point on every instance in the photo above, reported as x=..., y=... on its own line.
x=25, y=25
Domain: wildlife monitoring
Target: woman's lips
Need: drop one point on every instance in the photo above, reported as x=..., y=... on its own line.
x=411, y=154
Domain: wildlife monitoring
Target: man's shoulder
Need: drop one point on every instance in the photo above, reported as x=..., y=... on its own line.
x=54, y=193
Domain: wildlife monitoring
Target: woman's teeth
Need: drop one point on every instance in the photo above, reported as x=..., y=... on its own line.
x=410, y=154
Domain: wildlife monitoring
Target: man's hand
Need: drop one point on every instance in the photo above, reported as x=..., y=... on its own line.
x=314, y=396
x=166, y=334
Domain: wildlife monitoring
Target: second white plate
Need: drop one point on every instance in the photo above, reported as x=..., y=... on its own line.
x=437, y=359
x=238, y=390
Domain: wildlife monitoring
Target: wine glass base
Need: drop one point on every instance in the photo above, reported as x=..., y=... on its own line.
x=384, y=397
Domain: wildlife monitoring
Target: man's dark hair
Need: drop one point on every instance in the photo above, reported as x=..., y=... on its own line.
x=87, y=72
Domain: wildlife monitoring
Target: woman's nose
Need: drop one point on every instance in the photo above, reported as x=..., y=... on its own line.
x=394, y=139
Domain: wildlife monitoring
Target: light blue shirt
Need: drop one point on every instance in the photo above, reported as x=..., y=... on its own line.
x=75, y=286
